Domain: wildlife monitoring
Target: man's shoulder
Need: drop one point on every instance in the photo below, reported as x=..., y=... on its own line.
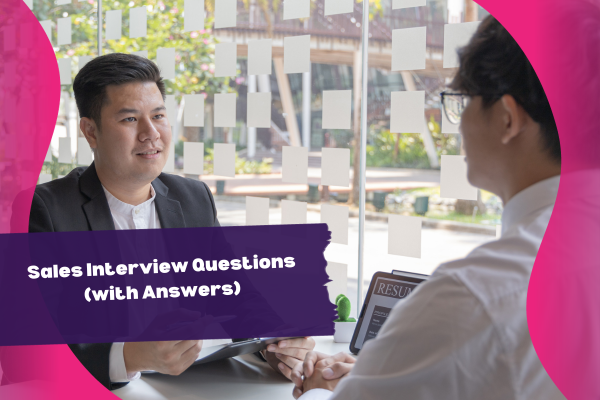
x=493, y=271
x=178, y=183
x=61, y=187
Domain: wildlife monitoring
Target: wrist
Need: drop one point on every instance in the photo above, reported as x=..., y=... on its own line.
x=132, y=364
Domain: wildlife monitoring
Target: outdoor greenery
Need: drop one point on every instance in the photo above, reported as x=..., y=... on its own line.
x=406, y=150
x=401, y=202
x=195, y=50
x=242, y=166
x=56, y=169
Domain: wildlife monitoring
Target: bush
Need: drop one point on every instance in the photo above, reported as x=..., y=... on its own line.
x=410, y=154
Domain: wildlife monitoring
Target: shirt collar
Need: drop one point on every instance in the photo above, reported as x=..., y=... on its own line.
x=119, y=207
x=527, y=201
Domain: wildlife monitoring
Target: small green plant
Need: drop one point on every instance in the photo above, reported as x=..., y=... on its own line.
x=343, y=309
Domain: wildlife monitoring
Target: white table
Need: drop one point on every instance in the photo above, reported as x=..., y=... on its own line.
x=243, y=377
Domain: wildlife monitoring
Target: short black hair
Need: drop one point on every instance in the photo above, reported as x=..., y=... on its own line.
x=492, y=65
x=111, y=69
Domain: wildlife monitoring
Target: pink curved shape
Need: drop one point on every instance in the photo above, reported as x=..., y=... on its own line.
x=29, y=101
x=562, y=40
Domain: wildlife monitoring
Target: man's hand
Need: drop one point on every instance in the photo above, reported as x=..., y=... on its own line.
x=286, y=354
x=170, y=358
x=320, y=371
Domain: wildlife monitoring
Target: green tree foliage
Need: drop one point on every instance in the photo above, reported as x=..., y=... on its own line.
x=194, y=50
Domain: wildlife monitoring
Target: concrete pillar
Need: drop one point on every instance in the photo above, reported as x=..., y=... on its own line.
x=251, y=131
x=306, y=108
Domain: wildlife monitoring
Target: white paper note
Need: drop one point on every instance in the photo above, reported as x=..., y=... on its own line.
x=44, y=178
x=141, y=53
x=138, y=22
x=447, y=126
x=260, y=57
x=404, y=236
x=224, y=159
x=396, y=4
x=455, y=37
x=293, y=212
x=257, y=210
x=407, y=112
x=453, y=179
x=294, y=168
x=114, y=20
x=193, y=15
x=337, y=109
x=48, y=155
x=336, y=218
x=83, y=60
x=225, y=59
x=225, y=13
x=193, y=158
x=335, y=167
x=338, y=273
x=296, y=54
x=84, y=152
x=293, y=9
x=498, y=231
x=171, y=105
x=64, y=150
x=29, y=4
x=193, y=115
x=333, y=7
x=409, y=48
x=225, y=110
x=259, y=110
x=165, y=59
x=63, y=26
x=47, y=26
x=64, y=70
x=169, y=167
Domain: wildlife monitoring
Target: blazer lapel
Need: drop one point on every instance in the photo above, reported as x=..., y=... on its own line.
x=169, y=211
x=96, y=210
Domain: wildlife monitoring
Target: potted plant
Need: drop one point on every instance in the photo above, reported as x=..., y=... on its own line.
x=344, y=326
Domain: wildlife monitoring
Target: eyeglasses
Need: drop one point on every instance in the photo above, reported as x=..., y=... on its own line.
x=454, y=105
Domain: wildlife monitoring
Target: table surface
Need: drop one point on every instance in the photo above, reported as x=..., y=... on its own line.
x=243, y=377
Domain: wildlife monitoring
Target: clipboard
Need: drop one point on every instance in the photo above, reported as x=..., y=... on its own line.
x=384, y=292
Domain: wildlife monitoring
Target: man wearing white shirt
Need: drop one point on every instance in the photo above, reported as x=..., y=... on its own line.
x=120, y=98
x=463, y=335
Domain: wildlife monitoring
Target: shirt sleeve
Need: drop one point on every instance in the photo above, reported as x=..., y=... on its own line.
x=116, y=365
x=316, y=394
x=429, y=348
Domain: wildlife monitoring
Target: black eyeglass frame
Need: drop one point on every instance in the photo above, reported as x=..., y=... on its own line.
x=463, y=103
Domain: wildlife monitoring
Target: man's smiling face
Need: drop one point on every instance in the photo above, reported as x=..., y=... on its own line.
x=133, y=141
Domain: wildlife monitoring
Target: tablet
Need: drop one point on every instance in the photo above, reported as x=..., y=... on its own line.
x=384, y=292
x=233, y=349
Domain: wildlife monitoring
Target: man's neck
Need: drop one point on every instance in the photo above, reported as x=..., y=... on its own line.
x=523, y=180
x=127, y=193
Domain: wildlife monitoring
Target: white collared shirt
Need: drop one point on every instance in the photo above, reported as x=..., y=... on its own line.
x=127, y=216
x=463, y=335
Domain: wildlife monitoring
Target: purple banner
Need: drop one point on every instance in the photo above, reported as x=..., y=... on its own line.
x=164, y=284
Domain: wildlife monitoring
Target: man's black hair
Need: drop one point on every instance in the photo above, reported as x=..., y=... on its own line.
x=492, y=65
x=111, y=69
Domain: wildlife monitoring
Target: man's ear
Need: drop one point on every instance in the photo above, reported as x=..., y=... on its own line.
x=90, y=131
x=514, y=118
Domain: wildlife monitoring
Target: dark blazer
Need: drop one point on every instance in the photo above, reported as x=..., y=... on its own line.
x=77, y=203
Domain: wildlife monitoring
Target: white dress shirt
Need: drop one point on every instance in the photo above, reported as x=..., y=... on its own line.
x=462, y=335
x=126, y=216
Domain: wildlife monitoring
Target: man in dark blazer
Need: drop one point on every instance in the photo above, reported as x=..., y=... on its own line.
x=120, y=98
